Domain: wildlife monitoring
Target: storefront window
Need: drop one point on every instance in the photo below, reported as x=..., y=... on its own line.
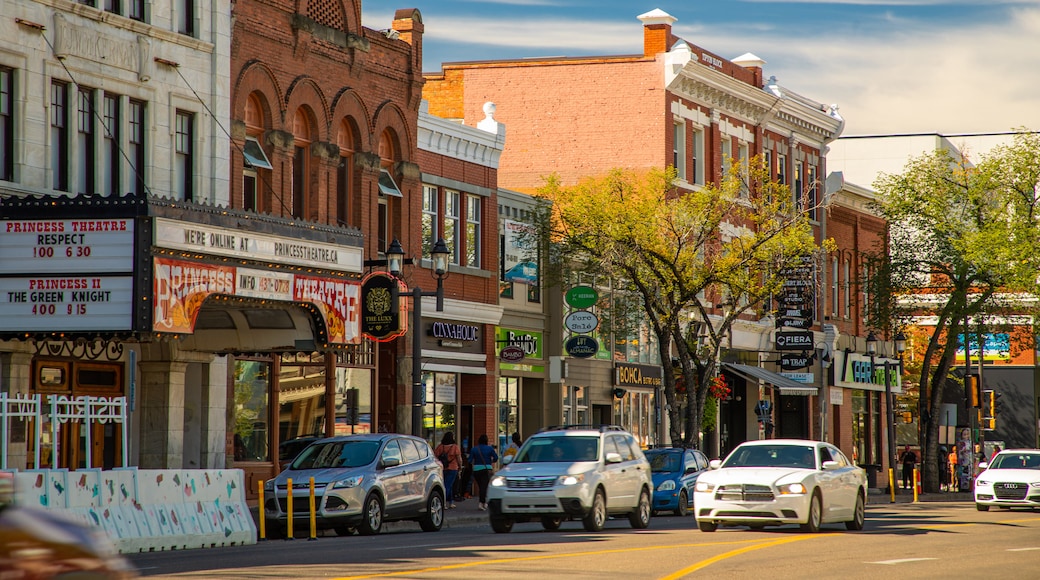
x=439, y=412
x=301, y=402
x=508, y=410
x=634, y=412
x=576, y=406
x=353, y=401
x=252, y=385
x=865, y=435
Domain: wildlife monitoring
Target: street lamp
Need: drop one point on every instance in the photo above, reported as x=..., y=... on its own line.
x=394, y=260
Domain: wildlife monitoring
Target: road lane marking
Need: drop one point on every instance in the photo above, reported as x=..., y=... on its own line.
x=732, y=553
x=901, y=561
x=551, y=557
x=1021, y=549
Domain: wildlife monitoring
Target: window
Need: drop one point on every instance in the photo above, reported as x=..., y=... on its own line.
x=679, y=149
x=473, y=231
x=347, y=205
x=799, y=200
x=60, y=135
x=439, y=410
x=769, y=163
x=252, y=392
x=727, y=157
x=811, y=191
x=6, y=124
x=186, y=17
x=184, y=143
x=697, y=158
x=575, y=405
x=452, y=200
x=508, y=410
x=846, y=288
x=136, y=149
x=781, y=169
x=742, y=156
x=834, y=286
x=111, y=165
x=85, y=141
x=301, y=161
x=864, y=291
x=429, y=219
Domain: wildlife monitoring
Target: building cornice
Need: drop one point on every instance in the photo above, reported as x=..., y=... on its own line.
x=458, y=141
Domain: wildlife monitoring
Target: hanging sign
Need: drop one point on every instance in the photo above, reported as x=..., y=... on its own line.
x=381, y=319
x=581, y=346
x=581, y=297
x=581, y=321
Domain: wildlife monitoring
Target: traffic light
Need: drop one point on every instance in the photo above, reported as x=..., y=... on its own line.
x=971, y=384
x=989, y=423
x=908, y=417
x=989, y=404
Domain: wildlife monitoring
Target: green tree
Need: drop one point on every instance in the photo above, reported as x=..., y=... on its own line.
x=962, y=250
x=697, y=262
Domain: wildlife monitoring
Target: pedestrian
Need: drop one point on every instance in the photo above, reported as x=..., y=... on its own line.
x=483, y=457
x=908, y=458
x=450, y=456
x=954, y=472
x=944, y=469
x=996, y=449
x=513, y=447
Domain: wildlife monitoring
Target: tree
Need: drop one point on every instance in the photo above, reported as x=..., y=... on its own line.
x=697, y=261
x=962, y=251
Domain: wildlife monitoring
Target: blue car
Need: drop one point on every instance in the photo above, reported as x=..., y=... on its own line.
x=675, y=472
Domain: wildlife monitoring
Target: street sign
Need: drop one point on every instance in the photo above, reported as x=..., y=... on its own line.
x=581, y=321
x=795, y=322
x=797, y=313
x=794, y=340
x=581, y=346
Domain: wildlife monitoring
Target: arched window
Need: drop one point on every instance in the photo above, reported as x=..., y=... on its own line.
x=301, y=162
x=347, y=203
x=388, y=189
x=255, y=162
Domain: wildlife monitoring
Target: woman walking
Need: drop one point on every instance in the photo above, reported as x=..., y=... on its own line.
x=483, y=457
x=450, y=456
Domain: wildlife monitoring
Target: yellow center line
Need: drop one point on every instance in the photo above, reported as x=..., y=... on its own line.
x=732, y=553
x=547, y=557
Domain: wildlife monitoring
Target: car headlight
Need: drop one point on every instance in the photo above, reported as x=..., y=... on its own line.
x=498, y=481
x=349, y=482
x=570, y=479
x=269, y=485
x=1035, y=484
x=791, y=489
x=981, y=482
x=705, y=487
x=666, y=485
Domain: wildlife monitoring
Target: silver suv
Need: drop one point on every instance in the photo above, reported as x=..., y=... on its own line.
x=573, y=471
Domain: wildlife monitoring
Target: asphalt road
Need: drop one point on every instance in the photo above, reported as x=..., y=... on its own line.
x=904, y=540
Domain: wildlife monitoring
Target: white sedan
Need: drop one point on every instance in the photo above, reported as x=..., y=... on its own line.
x=781, y=481
x=1011, y=479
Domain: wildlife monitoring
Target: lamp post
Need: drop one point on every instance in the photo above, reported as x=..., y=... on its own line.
x=890, y=413
x=394, y=259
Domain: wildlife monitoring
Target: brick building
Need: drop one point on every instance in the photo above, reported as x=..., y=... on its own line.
x=676, y=104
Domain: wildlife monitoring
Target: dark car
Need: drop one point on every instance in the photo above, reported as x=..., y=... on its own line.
x=675, y=472
x=36, y=543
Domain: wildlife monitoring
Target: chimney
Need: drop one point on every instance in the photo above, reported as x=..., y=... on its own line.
x=753, y=64
x=408, y=26
x=657, y=31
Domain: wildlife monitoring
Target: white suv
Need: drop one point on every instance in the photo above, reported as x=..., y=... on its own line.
x=573, y=471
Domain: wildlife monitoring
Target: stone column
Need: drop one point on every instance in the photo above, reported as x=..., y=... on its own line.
x=161, y=412
x=15, y=379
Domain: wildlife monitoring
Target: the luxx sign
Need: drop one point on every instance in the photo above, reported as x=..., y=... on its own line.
x=381, y=318
x=793, y=340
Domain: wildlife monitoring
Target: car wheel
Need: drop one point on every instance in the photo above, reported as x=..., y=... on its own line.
x=552, y=524
x=982, y=508
x=501, y=525
x=707, y=526
x=815, y=514
x=858, y=517
x=597, y=517
x=344, y=530
x=683, y=507
x=434, y=517
x=640, y=518
x=371, y=516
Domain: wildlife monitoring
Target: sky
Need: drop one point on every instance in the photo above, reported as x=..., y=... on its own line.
x=891, y=66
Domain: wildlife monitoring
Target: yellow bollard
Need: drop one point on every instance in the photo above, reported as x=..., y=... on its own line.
x=892, y=483
x=314, y=522
x=263, y=520
x=917, y=484
x=288, y=508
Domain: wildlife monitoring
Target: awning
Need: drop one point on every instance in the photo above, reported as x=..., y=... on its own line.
x=786, y=385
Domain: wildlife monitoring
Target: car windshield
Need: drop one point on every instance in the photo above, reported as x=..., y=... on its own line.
x=664, y=462
x=563, y=449
x=1016, y=461
x=800, y=456
x=337, y=454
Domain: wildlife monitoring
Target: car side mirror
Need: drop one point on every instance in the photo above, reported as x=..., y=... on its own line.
x=715, y=464
x=830, y=465
x=613, y=457
x=983, y=465
x=507, y=459
x=391, y=462
x=691, y=469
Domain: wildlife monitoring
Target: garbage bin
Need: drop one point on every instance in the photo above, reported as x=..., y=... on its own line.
x=872, y=470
